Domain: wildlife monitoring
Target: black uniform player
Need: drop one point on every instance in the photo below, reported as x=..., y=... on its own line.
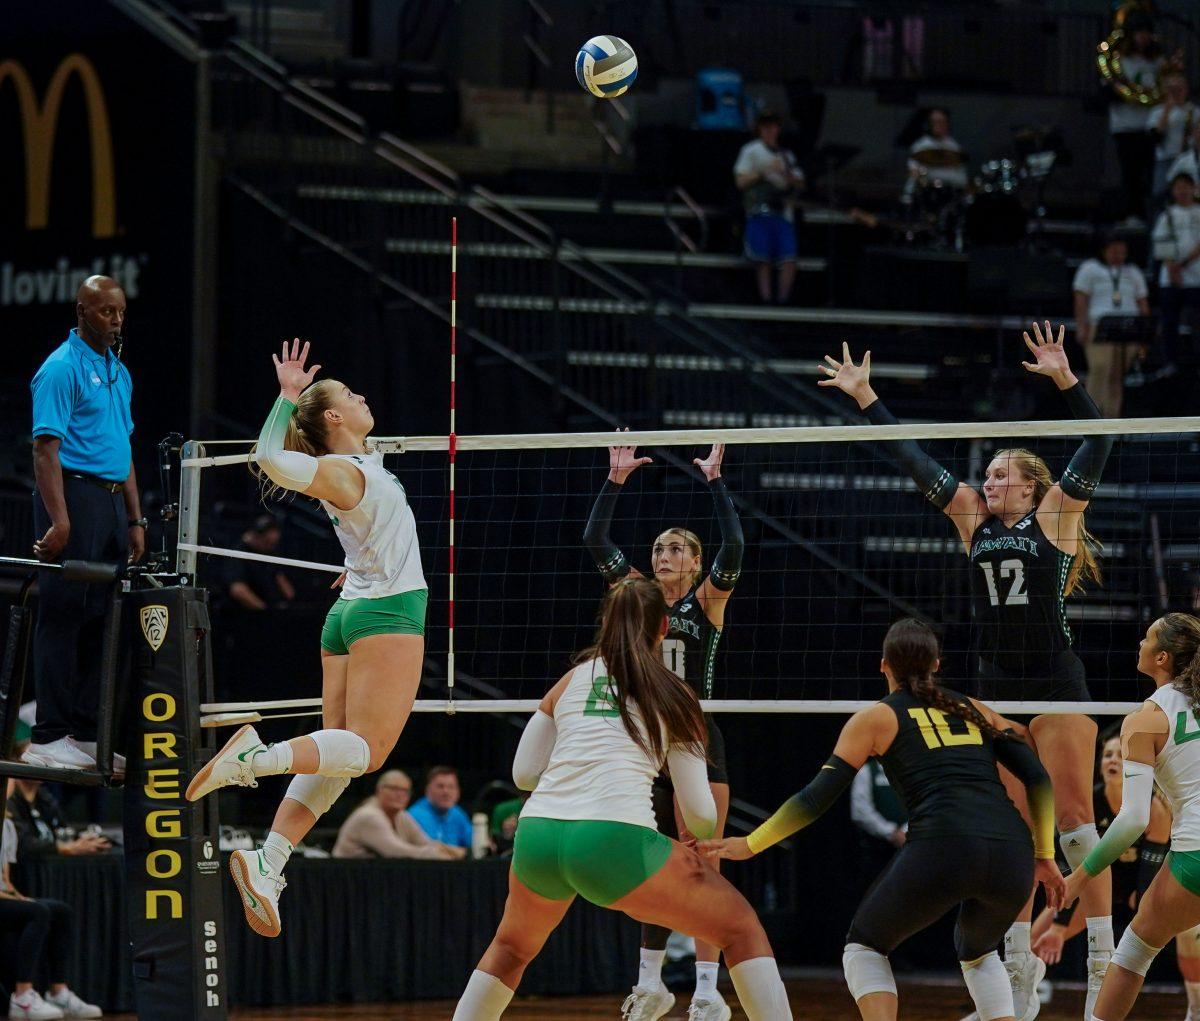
x=1036, y=553
x=696, y=603
x=967, y=845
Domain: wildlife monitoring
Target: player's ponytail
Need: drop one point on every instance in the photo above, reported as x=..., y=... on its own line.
x=632, y=619
x=1178, y=635
x=306, y=429
x=911, y=653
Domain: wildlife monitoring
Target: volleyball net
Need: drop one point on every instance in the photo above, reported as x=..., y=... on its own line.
x=839, y=543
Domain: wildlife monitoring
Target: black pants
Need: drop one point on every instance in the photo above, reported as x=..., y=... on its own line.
x=989, y=881
x=40, y=927
x=1135, y=153
x=70, y=617
x=1173, y=301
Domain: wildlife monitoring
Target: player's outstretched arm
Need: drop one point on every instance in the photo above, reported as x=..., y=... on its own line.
x=610, y=561
x=715, y=590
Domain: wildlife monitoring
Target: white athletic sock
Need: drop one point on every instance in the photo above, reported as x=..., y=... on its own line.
x=1016, y=940
x=760, y=990
x=650, y=968
x=276, y=850
x=484, y=999
x=276, y=759
x=706, y=979
x=1100, y=935
x=1193, y=995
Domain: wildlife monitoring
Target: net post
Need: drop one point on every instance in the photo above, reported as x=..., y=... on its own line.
x=452, y=449
x=189, y=510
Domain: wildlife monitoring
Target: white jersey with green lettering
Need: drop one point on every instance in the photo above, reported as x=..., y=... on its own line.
x=1177, y=768
x=379, y=536
x=596, y=771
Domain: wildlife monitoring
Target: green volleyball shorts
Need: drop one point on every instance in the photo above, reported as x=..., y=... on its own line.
x=600, y=861
x=1185, y=867
x=349, y=620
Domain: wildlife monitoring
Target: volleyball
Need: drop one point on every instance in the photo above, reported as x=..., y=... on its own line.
x=606, y=66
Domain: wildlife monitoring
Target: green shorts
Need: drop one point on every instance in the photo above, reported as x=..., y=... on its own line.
x=349, y=620
x=600, y=861
x=1185, y=867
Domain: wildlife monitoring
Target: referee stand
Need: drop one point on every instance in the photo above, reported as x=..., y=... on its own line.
x=155, y=672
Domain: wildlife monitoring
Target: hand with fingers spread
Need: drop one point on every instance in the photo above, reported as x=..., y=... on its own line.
x=289, y=369
x=711, y=465
x=623, y=462
x=851, y=379
x=1049, y=945
x=1050, y=357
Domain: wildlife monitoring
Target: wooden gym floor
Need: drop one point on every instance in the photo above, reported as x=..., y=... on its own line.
x=812, y=1000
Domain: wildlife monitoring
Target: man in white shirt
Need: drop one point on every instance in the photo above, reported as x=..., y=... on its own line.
x=1188, y=161
x=1177, y=244
x=769, y=179
x=1172, y=125
x=936, y=156
x=1107, y=286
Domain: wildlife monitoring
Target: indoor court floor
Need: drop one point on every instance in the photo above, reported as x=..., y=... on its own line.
x=812, y=1000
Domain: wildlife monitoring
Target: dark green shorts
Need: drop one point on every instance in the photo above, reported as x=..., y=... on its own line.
x=349, y=620
x=600, y=861
x=1185, y=867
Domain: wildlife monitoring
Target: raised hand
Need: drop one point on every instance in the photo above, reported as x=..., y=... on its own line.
x=623, y=462
x=851, y=379
x=290, y=371
x=1050, y=358
x=711, y=465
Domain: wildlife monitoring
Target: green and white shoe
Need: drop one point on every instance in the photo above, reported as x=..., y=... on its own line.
x=260, y=887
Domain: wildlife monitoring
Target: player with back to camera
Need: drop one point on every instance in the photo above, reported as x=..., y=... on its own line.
x=1029, y=549
x=372, y=645
x=1159, y=747
x=590, y=755
x=696, y=602
x=967, y=844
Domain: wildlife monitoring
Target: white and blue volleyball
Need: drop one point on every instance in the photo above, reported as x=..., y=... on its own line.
x=606, y=66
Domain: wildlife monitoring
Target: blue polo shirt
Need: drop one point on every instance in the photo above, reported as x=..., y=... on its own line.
x=83, y=399
x=453, y=826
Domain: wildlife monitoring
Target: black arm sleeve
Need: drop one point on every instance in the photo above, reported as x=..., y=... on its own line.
x=609, y=559
x=935, y=482
x=1082, y=476
x=1150, y=860
x=727, y=564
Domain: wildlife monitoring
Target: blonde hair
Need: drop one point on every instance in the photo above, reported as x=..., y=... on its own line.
x=692, y=541
x=306, y=429
x=1086, y=564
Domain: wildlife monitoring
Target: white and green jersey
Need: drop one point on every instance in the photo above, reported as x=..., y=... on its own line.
x=596, y=771
x=1177, y=768
x=379, y=536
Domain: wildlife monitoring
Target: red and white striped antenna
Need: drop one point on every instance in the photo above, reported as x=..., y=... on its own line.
x=452, y=446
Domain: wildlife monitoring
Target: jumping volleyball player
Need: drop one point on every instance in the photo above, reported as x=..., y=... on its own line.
x=1159, y=746
x=696, y=614
x=592, y=751
x=372, y=644
x=967, y=845
x=1029, y=549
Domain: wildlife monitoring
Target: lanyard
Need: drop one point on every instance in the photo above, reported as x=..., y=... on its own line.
x=1114, y=273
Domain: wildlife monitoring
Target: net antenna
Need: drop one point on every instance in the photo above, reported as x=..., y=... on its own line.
x=452, y=449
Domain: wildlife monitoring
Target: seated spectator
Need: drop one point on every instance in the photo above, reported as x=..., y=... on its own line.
x=936, y=156
x=37, y=926
x=38, y=819
x=1177, y=244
x=1107, y=286
x=438, y=813
x=381, y=828
x=252, y=583
x=505, y=817
x=1172, y=125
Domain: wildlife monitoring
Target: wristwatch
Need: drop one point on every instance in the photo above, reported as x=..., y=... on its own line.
x=139, y=523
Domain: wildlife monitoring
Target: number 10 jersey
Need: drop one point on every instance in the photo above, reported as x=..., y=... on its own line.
x=1018, y=586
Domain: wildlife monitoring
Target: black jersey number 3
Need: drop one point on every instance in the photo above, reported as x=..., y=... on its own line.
x=1012, y=572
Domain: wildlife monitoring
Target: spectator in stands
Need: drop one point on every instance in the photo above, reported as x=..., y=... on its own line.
x=38, y=819
x=1177, y=245
x=1172, y=125
x=936, y=157
x=1189, y=160
x=438, y=813
x=505, y=817
x=770, y=179
x=382, y=828
x=1107, y=286
x=1140, y=56
x=252, y=583
x=36, y=926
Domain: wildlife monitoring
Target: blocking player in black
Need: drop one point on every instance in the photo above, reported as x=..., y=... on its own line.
x=1029, y=549
x=967, y=845
x=696, y=602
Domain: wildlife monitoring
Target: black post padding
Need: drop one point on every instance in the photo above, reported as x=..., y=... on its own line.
x=12, y=674
x=110, y=682
x=90, y=571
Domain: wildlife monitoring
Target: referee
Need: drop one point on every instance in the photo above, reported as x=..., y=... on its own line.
x=85, y=507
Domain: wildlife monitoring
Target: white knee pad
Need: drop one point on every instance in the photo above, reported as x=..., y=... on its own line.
x=1077, y=844
x=317, y=793
x=988, y=984
x=867, y=971
x=342, y=752
x=1134, y=954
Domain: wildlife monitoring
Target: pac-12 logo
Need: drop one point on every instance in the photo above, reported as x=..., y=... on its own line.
x=154, y=621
